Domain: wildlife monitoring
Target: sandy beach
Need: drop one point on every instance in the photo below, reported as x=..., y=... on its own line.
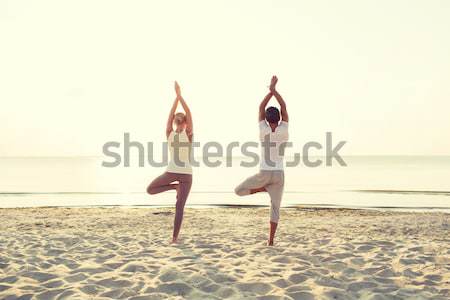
x=123, y=253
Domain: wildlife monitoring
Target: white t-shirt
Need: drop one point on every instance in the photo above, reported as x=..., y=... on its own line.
x=276, y=154
x=181, y=164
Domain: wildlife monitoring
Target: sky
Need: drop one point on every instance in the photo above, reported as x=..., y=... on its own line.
x=77, y=74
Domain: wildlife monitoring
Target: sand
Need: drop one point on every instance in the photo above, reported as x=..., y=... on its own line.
x=123, y=253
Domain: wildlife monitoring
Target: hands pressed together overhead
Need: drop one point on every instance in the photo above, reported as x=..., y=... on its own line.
x=177, y=90
x=273, y=92
x=273, y=84
x=187, y=111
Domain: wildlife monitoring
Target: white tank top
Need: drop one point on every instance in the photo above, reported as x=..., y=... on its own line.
x=182, y=164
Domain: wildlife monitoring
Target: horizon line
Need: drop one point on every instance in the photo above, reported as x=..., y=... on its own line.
x=237, y=156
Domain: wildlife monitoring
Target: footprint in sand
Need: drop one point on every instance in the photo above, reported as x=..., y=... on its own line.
x=329, y=282
x=410, y=261
x=179, y=258
x=433, y=277
x=33, y=288
x=387, y=273
x=258, y=288
x=361, y=285
x=416, y=249
x=357, y=261
x=176, y=288
x=118, y=294
x=209, y=287
x=323, y=242
x=343, y=255
x=301, y=296
x=222, y=278
x=54, y=284
x=132, y=268
x=281, y=259
x=349, y=271
x=383, y=280
x=335, y=294
x=297, y=288
x=111, y=283
x=365, y=248
x=115, y=265
x=281, y=283
x=39, y=276
x=92, y=289
x=225, y=292
x=385, y=244
x=75, y=278
x=336, y=266
x=371, y=271
x=411, y=274
x=51, y=294
x=91, y=271
x=4, y=287
x=168, y=276
x=149, y=297
x=385, y=289
x=9, y=279
x=297, y=278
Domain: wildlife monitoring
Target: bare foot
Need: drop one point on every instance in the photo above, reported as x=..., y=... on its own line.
x=177, y=188
x=174, y=241
x=258, y=190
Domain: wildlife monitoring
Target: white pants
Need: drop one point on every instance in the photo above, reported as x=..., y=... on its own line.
x=273, y=182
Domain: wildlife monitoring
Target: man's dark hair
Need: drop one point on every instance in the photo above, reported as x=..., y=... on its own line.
x=272, y=115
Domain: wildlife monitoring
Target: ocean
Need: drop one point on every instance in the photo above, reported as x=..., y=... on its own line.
x=379, y=182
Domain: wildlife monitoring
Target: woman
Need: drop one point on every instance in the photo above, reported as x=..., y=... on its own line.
x=178, y=175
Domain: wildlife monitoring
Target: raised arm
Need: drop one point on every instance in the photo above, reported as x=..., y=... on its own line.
x=187, y=111
x=262, y=107
x=169, y=126
x=284, y=114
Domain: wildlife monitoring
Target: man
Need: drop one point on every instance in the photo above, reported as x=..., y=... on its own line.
x=273, y=135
